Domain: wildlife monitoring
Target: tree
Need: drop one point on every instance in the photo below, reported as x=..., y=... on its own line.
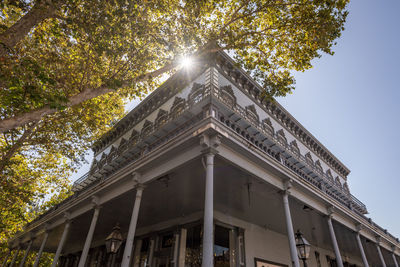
x=67, y=68
x=57, y=54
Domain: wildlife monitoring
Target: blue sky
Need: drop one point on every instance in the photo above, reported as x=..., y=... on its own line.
x=349, y=102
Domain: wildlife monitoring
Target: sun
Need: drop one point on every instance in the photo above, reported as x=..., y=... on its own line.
x=186, y=62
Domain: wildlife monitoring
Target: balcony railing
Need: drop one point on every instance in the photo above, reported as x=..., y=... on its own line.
x=319, y=179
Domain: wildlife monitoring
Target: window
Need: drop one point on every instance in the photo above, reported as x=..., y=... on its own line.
x=317, y=258
x=193, y=243
x=144, y=252
x=221, y=247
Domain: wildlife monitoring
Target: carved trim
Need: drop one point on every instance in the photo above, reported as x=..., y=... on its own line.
x=295, y=148
x=267, y=126
x=161, y=119
x=177, y=107
x=251, y=113
x=337, y=182
x=318, y=166
x=134, y=138
x=147, y=128
x=281, y=137
x=309, y=158
x=228, y=95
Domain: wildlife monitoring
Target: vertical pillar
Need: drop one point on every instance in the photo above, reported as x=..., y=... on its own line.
x=339, y=260
x=46, y=235
x=176, y=250
x=208, y=232
x=61, y=243
x=360, y=246
x=26, y=253
x=6, y=258
x=14, y=258
x=182, y=248
x=290, y=232
x=89, y=237
x=394, y=259
x=378, y=247
x=126, y=258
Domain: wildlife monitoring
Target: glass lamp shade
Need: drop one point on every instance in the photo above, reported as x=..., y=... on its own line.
x=303, y=247
x=114, y=240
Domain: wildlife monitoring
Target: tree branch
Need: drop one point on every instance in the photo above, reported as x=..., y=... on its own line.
x=86, y=94
x=90, y=93
x=14, y=148
x=39, y=12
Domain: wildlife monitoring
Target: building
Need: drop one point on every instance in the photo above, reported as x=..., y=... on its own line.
x=207, y=170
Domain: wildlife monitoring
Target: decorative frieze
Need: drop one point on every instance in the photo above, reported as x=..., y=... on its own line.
x=228, y=95
x=134, y=138
x=196, y=92
x=267, y=126
x=281, y=137
x=161, y=119
x=252, y=115
x=309, y=159
x=253, y=90
x=295, y=148
x=147, y=128
x=177, y=107
x=319, y=167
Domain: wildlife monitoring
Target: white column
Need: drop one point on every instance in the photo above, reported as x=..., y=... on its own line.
x=380, y=255
x=132, y=228
x=14, y=257
x=182, y=248
x=176, y=250
x=61, y=243
x=89, y=237
x=46, y=235
x=394, y=260
x=339, y=260
x=151, y=253
x=360, y=246
x=208, y=231
x=6, y=258
x=26, y=254
x=290, y=232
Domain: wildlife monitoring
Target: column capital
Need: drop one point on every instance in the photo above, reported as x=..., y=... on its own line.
x=359, y=227
x=378, y=240
x=210, y=140
x=47, y=228
x=31, y=236
x=67, y=217
x=287, y=185
x=95, y=202
x=331, y=211
x=140, y=186
x=135, y=179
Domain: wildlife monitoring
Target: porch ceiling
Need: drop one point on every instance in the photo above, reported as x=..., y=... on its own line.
x=181, y=194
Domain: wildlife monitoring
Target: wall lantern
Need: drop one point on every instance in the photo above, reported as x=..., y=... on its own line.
x=114, y=240
x=303, y=247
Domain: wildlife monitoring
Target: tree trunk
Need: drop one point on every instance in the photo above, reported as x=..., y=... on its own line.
x=40, y=11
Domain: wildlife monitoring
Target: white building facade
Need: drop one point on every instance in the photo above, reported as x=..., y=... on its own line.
x=206, y=171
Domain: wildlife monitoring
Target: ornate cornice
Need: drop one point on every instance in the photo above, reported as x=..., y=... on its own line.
x=251, y=88
x=158, y=97
x=246, y=84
